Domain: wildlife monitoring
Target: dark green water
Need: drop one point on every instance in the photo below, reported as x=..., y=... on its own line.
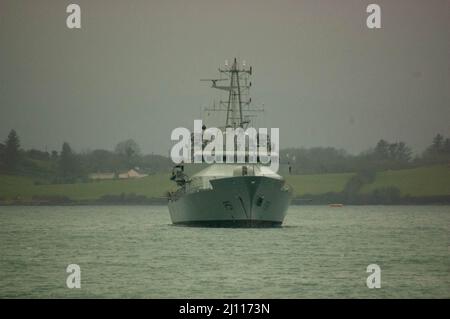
x=134, y=252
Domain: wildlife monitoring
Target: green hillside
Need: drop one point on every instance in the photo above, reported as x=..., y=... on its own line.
x=423, y=181
x=24, y=187
x=318, y=183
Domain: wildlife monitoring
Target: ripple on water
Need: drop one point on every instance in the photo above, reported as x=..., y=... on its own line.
x=136, y=252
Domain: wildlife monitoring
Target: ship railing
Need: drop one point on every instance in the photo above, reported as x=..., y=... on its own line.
x=237, y=157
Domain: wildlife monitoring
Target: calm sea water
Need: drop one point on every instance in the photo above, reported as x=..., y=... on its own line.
x=129, y=252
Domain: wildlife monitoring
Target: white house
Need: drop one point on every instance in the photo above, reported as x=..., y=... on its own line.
x=101, y=176
x=132, y=173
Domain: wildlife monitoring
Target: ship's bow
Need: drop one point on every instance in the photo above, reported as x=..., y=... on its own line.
x=242, y=201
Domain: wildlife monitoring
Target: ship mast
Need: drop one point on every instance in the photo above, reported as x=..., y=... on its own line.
x=238, y=91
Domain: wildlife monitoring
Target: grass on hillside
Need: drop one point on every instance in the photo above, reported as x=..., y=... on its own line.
x=423, y=181
x=318, y=183
x=151, y=186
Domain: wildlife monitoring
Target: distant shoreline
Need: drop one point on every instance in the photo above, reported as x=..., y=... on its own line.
x=428, y=185
x=408, y=201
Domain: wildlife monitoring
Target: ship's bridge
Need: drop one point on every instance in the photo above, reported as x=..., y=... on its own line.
x=201, y=180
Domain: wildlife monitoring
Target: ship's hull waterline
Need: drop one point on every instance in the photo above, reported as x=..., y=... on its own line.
x=244, y=201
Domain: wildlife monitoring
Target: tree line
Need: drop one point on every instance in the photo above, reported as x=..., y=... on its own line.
x=67, y=165
x=383, y=156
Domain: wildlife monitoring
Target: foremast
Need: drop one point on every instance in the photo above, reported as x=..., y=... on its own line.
x=238, y=88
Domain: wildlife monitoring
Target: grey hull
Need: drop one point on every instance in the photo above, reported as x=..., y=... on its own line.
x=242, y=201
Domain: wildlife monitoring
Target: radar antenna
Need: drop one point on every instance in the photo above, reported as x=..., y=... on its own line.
x=238, y=91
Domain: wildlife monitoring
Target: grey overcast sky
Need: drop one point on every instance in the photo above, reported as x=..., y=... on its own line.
x=133, y=70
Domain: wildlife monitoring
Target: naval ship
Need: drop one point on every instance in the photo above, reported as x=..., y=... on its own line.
x=229, y=194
